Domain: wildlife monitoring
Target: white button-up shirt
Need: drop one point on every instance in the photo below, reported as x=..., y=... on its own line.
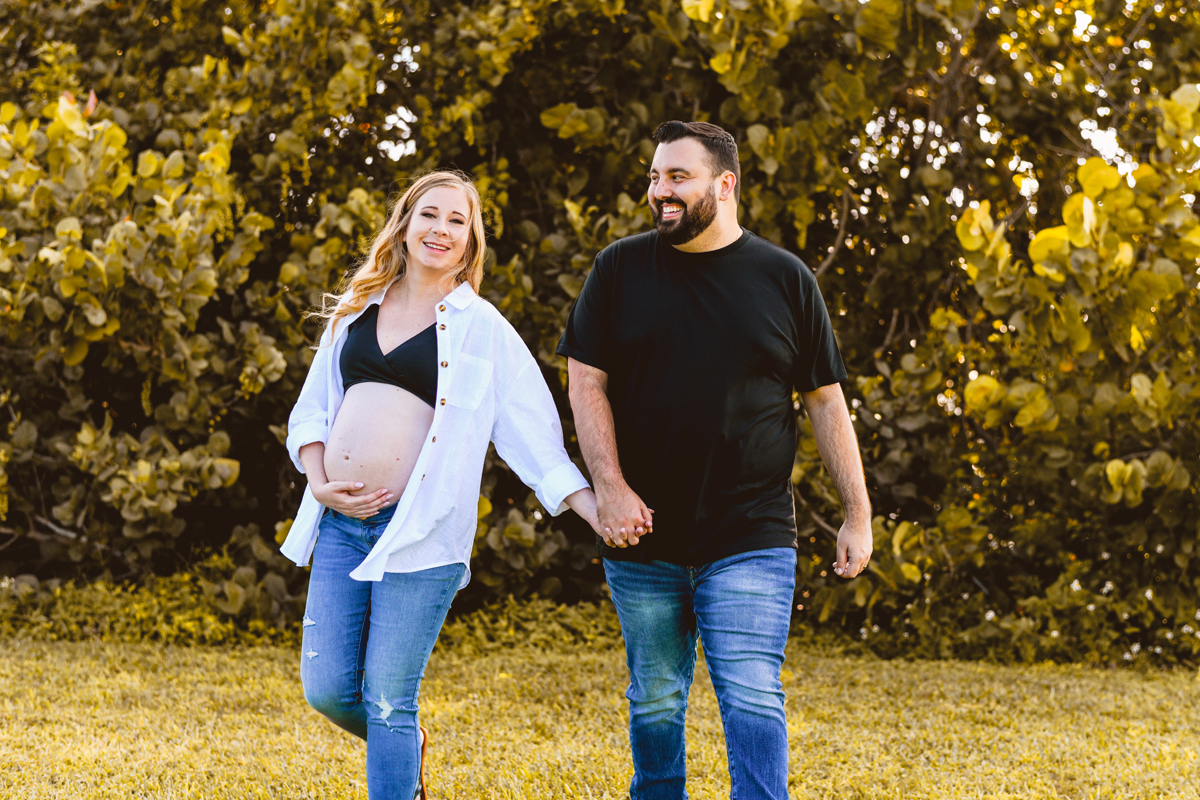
x=489, y=389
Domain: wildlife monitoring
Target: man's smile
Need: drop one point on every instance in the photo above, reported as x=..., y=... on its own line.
x=670, y=210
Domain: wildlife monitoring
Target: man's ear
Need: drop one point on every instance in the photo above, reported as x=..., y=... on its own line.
x=728, y=186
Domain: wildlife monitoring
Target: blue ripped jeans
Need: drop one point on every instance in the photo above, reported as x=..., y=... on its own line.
x=366, y=644
x=740, y=609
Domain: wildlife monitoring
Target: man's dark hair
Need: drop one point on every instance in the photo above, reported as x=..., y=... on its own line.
x=719, y=143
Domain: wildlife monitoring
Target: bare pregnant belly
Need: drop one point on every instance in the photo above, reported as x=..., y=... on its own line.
x=376, y=437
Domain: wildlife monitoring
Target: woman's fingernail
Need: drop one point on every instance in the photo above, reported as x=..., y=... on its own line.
x=358, y=486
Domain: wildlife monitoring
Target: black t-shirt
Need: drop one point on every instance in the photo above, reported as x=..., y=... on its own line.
x=702, y=352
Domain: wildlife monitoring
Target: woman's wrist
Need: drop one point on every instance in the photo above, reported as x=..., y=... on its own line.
x=583, y=503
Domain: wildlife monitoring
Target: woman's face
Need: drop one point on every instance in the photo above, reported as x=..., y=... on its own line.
x=439, y=229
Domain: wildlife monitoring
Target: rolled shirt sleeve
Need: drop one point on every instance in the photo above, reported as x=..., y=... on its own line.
x=309, y=420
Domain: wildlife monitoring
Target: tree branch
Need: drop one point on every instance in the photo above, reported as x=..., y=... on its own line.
x=841, y=234
x=831, y=531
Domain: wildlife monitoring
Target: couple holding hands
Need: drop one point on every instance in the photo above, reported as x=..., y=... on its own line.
x=684, y=348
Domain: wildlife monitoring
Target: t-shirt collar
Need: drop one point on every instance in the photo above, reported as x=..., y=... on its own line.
x=709, y=255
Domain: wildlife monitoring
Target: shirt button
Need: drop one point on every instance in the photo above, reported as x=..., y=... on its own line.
x=442, y=307
x=445, y=363
x=434, y=439
x=422, y=477
x=442, y=327
x=442, y=401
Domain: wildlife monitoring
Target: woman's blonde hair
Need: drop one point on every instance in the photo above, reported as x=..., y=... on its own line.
x=388, y=256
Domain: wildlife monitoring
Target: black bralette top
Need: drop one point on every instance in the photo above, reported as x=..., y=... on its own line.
x=412, y=365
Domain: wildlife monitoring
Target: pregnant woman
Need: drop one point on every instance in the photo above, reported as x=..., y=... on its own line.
x=415, y=374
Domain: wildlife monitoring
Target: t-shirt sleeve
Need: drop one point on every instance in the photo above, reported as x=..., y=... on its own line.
x=587, y=337
x=819, y=362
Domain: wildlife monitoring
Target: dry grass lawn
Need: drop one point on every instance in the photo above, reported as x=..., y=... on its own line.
x=139, y=721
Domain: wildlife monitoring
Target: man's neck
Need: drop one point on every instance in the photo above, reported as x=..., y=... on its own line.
x=722, y=233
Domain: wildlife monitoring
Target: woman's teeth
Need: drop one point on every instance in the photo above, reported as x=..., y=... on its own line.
x=436, y=247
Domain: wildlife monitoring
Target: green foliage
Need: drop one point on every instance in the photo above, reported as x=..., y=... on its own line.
x=539, y=623
x=172, y=610
x=223, y=604
x=160, y=243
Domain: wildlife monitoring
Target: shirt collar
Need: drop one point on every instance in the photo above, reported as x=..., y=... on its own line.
x=462, y=297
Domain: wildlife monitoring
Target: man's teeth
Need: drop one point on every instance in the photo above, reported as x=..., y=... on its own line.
x=671, y=209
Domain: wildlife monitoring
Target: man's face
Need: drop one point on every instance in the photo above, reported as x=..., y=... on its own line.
x=683, y=191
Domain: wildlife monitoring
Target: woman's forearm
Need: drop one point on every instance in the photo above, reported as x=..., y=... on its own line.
x=312, y=456
x=583, y=503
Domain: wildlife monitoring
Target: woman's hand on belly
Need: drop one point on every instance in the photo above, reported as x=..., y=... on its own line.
x=376, y=438
x=346, y=497
x=341, y=497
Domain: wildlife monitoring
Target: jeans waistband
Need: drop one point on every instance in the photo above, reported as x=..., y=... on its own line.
x=375, y=520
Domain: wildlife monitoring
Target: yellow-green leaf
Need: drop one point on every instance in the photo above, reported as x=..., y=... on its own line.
x=983, y=392
x=7, y=112
x=721, y=62
x=1187, y=96
x=1050, y=243
x=227, y=470
x=282, y=529
x=243, y=105
x=968, y=234
x=698, y=9
x=75, y=352
x=911, y=572
x=148, y=162
x=69, y=226
x=1136, y=340
x=1115, y=471
x=1096, y=177
x=553, y=118
x=68, y=112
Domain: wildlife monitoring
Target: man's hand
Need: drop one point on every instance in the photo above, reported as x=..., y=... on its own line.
x=624, y=518
x=854, y=545
x=339, y=495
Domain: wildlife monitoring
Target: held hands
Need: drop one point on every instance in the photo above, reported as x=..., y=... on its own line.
x=341, y=497
x=624, y=518
x=854, y=546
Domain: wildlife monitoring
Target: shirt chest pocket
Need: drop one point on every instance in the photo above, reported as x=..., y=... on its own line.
x=470, y=383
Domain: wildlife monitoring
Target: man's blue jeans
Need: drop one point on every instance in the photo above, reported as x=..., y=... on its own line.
x=366, y=645
x=740, y=608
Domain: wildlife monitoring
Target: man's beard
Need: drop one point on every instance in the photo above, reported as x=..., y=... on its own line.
x=692, y=222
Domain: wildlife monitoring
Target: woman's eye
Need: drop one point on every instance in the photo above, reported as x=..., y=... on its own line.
x=427, y=215
x=457, y=221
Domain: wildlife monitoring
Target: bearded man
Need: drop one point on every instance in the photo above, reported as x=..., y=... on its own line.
x=684, y=348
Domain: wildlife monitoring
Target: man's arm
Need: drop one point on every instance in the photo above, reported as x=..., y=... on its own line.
x=623, y=516
x=839, y=450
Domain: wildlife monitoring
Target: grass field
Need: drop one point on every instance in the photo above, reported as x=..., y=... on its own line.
x=106, y=720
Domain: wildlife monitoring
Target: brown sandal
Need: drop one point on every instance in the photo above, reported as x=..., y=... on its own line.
x=420, y=795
